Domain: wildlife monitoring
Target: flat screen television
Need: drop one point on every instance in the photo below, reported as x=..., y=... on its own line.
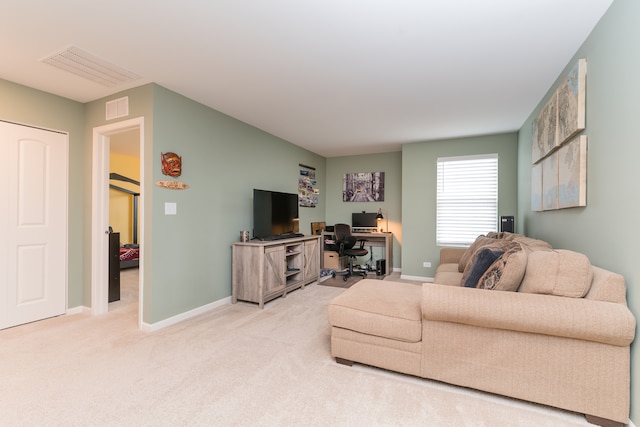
x=275, y=214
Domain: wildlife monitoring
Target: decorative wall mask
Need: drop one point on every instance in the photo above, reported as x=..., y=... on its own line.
x=171, y=164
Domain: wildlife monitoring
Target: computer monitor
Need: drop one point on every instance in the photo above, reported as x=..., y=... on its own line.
x=364, y=221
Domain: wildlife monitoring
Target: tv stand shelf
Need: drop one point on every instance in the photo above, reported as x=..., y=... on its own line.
x=264, y=270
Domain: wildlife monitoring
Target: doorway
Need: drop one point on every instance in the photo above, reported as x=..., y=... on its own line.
x=102, y=137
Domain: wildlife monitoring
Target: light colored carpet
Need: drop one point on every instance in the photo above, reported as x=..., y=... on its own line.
x=339, y=282
x=234, y=366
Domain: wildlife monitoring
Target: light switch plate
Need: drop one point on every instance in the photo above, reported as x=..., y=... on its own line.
x=170, y=208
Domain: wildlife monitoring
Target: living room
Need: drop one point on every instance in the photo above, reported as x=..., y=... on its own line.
x=187, y=264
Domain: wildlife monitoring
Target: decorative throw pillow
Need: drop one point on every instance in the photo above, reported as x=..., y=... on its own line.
x=503, y=235
x=487, y=243
x=506, y=273
x=480, y=241
x=486, y=257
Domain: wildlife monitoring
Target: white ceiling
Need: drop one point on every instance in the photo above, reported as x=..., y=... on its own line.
x=338, y=77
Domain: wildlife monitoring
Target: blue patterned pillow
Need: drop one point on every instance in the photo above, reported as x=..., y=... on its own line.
x=485, y=258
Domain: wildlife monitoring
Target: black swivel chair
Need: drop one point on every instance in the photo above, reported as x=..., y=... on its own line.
x=346, y=245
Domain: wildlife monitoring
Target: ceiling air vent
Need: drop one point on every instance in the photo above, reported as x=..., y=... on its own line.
x=84, y=64
x=118, y=108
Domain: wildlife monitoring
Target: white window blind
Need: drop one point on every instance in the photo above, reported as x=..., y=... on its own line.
x=467, y=201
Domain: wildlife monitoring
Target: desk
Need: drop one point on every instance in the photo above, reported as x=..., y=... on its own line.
x=384, y=240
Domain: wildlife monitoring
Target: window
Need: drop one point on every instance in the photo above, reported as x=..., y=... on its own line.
x=467, y=202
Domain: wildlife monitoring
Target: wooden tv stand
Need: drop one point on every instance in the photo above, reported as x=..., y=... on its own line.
x=264, y=270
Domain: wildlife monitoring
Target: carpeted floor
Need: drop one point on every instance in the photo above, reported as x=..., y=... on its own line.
x=339, y=282
x=236, y=365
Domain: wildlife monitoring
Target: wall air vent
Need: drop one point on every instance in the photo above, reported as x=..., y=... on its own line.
x=84, y=64
x=118, y=108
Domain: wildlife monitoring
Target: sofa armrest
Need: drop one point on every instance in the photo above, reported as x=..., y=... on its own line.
x=451, y=255
x=598, y=321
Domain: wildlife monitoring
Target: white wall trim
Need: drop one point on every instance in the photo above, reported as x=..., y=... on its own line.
x=100, y=214
x=78, y=310
x=417, y=278
x=146, y=327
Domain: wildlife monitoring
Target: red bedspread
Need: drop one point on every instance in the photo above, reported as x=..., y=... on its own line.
x=128, y=254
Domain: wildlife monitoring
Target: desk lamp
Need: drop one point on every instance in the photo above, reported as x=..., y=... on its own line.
x=379, y=218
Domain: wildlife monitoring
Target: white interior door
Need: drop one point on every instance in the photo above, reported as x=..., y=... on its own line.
x=33, y=224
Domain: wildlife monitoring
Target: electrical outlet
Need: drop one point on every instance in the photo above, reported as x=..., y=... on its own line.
x=426, y=264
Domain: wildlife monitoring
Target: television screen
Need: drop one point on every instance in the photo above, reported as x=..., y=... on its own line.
x=364, y=220
x=274, y=214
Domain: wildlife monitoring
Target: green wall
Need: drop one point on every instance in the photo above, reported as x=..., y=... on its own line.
x=419, y=192
x=223, y=161
x=607, y=228
x=188, y=255
x=21, y=104
x=338, y=211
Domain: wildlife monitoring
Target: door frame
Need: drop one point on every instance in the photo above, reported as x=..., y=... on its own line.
x=100, y=214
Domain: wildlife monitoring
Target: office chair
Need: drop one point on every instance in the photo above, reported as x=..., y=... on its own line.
x=346, y=244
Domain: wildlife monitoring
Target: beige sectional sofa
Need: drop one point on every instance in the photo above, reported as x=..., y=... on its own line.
x=540, y=324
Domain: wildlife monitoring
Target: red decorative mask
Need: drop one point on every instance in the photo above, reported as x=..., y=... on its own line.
x=171, y=164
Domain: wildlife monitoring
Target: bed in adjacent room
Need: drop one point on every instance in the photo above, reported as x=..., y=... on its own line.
x=129, y=252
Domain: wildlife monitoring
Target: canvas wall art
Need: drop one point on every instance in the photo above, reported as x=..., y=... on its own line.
x=550, y=182
x=572, y=173
x=536, y=187
x=363, y=187
x=545, y=130
x=571, y=102
x=559, y=170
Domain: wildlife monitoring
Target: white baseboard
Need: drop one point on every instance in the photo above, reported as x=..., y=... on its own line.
x=151, y=327
x=417, y=278
x=77, y=310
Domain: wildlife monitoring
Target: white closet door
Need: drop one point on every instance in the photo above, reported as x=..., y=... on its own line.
x=33, y=224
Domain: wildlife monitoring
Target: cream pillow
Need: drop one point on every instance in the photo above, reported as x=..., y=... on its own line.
x=557, y=272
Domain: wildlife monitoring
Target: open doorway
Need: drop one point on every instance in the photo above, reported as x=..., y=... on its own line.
x=124, y=221
x=122, y=139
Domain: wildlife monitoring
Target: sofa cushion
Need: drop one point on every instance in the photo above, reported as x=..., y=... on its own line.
x=506, y=273
x=557, y=272
x=381, y=308
x=448, y=274
x=448, y=277
x=531, y=243
x=485, y=258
